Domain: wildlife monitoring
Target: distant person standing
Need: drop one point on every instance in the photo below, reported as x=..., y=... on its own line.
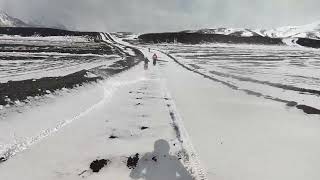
x=155, y=58
x=146, y=62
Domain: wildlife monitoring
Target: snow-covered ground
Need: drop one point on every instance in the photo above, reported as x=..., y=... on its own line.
x=113, y=120
x=277, y=72
x=37, y=57
x=39, y=65
x=239, y=136
x=213, y=131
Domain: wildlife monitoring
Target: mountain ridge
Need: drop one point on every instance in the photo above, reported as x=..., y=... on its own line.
x=310, y=31
x=9, y=21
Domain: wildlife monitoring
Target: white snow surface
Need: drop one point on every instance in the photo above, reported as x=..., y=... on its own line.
x=227, y=133
x=65, y=135
x=262, y=69
x=238, y=136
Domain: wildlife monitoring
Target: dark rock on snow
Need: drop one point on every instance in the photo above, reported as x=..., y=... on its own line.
x=97, y=165
x=133, y=161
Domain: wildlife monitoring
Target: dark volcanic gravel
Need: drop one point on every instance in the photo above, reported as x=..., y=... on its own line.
x=21, y=90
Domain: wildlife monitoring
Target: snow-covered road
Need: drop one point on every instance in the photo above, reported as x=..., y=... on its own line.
x=134, y=112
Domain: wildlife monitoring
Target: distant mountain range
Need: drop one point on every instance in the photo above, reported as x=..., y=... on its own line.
x=311, y=31
x=9, y=21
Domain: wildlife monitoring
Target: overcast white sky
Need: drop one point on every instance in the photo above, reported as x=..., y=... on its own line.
x=164, y=15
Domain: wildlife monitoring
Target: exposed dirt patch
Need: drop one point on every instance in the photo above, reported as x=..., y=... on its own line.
x=133, y=161
x=144, y=128
x=154, y=159
x=2, y=159
x=292, y=104
x=308, y=109
x=97, y=165
x=113, y=137
x=136, y=92
x=20, y=90
x=175, y=126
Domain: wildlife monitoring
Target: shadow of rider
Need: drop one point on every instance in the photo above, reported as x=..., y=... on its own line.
x=160, y=165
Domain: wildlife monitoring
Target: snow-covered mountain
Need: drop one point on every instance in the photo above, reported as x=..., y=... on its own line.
x=306, y=31
x=226, y=31
x=311, y=31
x=8, y=21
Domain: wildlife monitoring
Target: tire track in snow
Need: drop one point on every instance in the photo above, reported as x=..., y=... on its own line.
x=182, y=135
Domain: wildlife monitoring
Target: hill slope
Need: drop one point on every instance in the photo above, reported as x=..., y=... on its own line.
x=8, y=21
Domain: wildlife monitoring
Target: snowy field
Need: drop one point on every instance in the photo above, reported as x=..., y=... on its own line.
x=211, y=111
x=282, y=73
x=240, y=136
x=112, y=120
x=24, y=58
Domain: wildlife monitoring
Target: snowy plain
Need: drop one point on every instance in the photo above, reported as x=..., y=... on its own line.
x=225, y=133
x=126, y=103
x=288, y=74
x=239, y=136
